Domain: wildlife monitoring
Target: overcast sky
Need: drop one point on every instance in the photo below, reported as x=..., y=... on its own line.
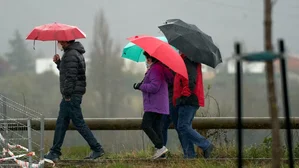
x=225, y=20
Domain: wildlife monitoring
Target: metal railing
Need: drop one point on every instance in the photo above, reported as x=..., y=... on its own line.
x=18, y=140
x=198, y=123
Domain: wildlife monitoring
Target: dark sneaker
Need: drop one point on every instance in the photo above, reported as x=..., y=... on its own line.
x=95, y=154
x=52, y=156
x=163, y=156
x=207, y=152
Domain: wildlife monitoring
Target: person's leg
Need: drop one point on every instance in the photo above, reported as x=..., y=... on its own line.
x=149, y=118
x=158, y=126
x=190, y=152
x=79, y=123
x=186, y=115
x=166, y=121
x=187, y=145
x=173, y=115
x=62, y=124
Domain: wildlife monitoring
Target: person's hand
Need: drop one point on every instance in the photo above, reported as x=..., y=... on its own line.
x=69, y=99
x=56, y=57
x=136, y=86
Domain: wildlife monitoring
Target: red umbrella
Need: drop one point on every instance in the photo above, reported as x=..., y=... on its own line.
x=161, y=51
x=56, y=32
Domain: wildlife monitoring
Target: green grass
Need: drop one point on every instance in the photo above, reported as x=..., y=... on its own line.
x=132, y=159
x=175, y=159
x=262, y=150
x=183, y=164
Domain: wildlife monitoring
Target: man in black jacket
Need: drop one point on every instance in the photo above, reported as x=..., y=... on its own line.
x=72, y=87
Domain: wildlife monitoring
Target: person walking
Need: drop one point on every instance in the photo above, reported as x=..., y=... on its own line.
x=155, y=102
x=188, y=96
x=72, y=70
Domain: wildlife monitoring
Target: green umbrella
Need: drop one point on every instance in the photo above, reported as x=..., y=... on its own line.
x=261, y=56
x=135, y=53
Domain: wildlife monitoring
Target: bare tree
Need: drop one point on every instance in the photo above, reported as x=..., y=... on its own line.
x=106, y=69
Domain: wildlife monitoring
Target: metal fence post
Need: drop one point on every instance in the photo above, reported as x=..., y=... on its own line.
x=284, y=84
x=42, y=129
x=239, y=103
x=12, y=125
x=29, y=140
x=5, y=124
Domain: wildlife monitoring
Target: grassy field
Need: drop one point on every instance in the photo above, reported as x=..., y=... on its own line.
x=177, y=164
x=138, y=159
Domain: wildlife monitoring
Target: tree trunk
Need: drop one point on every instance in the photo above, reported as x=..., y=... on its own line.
x=273, y=109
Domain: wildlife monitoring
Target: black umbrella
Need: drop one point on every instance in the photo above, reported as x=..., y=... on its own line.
x=189, y=39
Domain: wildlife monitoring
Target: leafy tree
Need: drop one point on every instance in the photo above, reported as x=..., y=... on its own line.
x=20, y=58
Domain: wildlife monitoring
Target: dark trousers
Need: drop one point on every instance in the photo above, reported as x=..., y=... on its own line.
x=71, y=110
x=152, y=126
x=167, y=120
x=188, y=135
x=173, y=117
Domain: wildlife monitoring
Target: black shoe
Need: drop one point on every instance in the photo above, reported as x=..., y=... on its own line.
x=207, y=152
x=52, y=156
x=95, y=154
x=163, y=156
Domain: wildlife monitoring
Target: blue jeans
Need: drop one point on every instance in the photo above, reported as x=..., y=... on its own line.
x=71, y=110
x=189, y=151
x=189, y=136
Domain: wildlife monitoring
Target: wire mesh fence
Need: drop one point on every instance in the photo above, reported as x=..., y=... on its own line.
x=21, y=145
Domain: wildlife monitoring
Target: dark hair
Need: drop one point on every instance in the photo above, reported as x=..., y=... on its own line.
x=71, y=41
x=149, y=56
x=146, y=54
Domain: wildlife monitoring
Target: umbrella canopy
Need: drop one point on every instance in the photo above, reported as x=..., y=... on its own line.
x=135, y=53
x=56, y=32
x=261, y=56
x=161, y=51
x=189, y=39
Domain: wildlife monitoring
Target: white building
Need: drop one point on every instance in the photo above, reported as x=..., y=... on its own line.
x=229, y=66
x=43, y=65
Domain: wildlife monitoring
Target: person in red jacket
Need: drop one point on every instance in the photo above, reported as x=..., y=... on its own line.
x=188, y=96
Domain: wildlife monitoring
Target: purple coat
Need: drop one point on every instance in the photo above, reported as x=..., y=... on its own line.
x=155, y=90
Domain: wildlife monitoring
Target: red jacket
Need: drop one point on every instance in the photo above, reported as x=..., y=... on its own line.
x=182, y=92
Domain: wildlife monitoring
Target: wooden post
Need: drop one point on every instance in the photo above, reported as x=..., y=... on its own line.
x=273, y=109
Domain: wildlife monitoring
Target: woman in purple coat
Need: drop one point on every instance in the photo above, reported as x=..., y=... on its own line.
x=154, y=89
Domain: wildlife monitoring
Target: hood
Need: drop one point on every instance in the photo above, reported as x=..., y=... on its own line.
x=183, y=56
x=168, y=73
x=76, y=46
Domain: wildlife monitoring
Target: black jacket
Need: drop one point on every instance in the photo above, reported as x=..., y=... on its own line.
x=170, y=87
x=72, y=71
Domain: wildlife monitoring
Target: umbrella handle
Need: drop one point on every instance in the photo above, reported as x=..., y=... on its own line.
x=55, y=47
